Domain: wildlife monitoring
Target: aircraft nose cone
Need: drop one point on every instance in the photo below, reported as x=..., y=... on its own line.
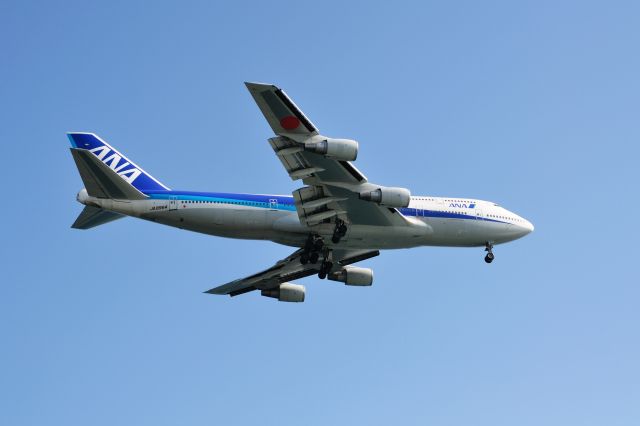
x=528, y=227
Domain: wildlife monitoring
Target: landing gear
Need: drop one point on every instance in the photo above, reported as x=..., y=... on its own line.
x=312, y=249
x=325, y=268
x=489, y=249
x=339, y=231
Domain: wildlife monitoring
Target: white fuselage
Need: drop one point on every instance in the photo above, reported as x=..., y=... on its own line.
x=432, y=221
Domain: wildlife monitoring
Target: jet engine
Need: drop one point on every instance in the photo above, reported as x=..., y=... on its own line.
x=352, y=275
x=339, y=149
x=286, y=292
x=391, y=197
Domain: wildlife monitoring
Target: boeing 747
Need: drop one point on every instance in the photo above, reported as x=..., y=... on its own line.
x=335, y=219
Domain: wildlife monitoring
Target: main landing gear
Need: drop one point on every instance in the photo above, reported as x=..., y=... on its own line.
x=339, y=231
x=312, y=249
x=489, y=249
x=325, y=268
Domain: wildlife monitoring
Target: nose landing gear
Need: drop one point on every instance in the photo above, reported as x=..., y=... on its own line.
x=489, y=249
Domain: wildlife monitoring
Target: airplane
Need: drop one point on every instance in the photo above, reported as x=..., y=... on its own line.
x=335, y=219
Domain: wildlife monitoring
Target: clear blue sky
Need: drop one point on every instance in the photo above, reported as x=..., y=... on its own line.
x=534, y=105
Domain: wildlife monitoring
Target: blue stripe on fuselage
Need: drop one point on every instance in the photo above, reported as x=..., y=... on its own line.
x=284, y=202
x=441, y=214
x=281, y=202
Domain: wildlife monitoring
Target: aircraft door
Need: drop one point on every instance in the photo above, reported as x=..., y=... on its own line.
x=173, y=202
x=479, y=215
x=273, y=204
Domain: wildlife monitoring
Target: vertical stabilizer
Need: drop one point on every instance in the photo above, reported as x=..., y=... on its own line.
x=128, y=171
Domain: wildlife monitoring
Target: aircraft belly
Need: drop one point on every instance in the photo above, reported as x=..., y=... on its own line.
x=385, y=237
x=456, y=232
x=244, y=223
x=469, y=232
x=504, y=232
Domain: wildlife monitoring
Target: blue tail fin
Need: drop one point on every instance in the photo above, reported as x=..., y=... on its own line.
x=125, y=168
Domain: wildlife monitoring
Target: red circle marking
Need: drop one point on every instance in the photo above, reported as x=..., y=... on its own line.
x=289, y=122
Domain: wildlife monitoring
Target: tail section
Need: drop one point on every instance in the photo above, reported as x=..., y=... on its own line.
x=107, y=175
x=111, y=170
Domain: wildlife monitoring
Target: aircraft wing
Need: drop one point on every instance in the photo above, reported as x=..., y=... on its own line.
x=333, y=186
x=287, y=269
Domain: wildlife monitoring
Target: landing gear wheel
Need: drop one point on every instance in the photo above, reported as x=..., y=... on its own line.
x=312, y=249
x=489, y=249
x=339, y=231
x=325, y=269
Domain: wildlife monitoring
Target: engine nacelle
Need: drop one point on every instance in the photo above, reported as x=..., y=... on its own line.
x=392, y=197
x=286, y=292
x=352, y=275
x=339, y=149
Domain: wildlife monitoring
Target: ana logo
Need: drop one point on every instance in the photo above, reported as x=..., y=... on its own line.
x=113, y=161
x=462, y=205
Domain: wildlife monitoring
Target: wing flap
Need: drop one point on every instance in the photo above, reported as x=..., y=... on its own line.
x=325, y=197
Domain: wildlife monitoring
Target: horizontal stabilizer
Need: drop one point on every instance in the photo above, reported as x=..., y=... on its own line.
x=93, y=216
